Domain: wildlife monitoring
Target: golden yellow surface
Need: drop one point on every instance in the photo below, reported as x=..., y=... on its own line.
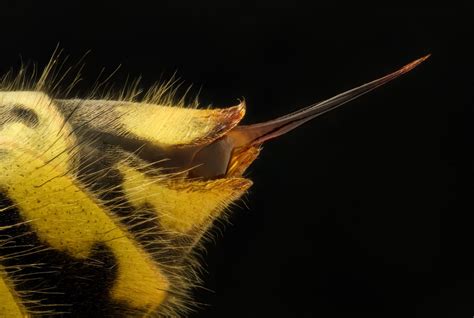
x=176, y=125
x=9, y=304
x=182, y=206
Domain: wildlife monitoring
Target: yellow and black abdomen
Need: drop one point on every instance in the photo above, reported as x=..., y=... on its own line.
x=88, y=226
x=102, y=203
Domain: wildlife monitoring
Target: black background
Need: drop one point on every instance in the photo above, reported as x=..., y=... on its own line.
x=367, y=210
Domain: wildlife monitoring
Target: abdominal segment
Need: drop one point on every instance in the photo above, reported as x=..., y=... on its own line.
x=90, y=227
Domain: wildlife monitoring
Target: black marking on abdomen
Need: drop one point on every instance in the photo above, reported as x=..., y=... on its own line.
x=25, y=115
x=79, y=287
x=142, y=222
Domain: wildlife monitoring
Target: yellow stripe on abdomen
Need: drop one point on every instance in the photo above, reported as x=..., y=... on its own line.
x=69, y=219
x=10, y=306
